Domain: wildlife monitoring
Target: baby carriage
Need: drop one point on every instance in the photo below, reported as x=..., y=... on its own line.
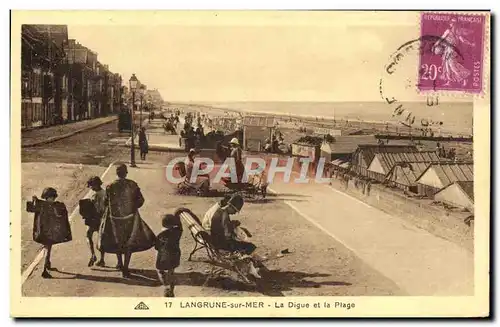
x=254, y=188
x=201, y=187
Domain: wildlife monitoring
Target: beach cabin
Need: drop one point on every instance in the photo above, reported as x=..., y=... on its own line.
x=457, y=194
x=404, y=176
x=326, y=131
x=364, y=154
x=256, y=129
x=439, y=175
x=326, y=151
x=383, y=163
x=338, y=165
x=343, y=147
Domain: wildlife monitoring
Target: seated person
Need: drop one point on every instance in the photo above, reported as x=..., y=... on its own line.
x=207, y=219
x=223, y=229
x=201, y=179
x=267, y=146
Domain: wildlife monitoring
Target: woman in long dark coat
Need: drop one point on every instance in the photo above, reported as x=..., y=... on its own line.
x=123, y=231
x=143, y=143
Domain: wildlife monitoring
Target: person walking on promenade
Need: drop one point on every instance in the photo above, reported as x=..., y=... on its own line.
x=123, y=231
x=169, y=252
x=92, y=210
x=143, y=143
x=51, y=224
x=236, y=153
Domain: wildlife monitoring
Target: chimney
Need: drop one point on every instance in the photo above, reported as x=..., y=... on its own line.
x=71, y=43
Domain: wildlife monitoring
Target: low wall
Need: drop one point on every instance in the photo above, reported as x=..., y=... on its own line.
x=436, y=220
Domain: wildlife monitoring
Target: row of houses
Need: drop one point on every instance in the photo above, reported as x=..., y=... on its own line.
x=404, y=166
x=62, y=80
x=148, y=100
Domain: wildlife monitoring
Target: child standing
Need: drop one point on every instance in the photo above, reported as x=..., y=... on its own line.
x=51, y=225
x=169, y=252
x=93, y=221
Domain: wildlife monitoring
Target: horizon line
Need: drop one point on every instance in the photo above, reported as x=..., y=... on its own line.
x=313, y=101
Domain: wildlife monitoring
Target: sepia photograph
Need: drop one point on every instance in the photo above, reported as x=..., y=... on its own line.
x=240, y=163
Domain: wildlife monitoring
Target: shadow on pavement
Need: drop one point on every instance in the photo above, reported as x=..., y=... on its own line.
x=271, y=200
x=274, y=282
x=274, y=195
x=134, y=279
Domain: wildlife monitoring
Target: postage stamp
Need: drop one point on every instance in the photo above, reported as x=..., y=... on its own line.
x=455, y=61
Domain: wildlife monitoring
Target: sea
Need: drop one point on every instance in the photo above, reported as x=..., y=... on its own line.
x=456, y=117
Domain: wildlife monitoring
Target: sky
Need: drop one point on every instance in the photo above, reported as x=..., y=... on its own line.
x=332, y=57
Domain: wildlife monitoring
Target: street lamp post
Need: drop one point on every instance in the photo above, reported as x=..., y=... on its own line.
x=142, y=90
x=133, y=86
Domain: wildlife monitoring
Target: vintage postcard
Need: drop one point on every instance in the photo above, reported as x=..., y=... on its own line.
x=250, y=164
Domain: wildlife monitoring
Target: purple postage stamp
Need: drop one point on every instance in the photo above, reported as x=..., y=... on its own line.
x=454, y=60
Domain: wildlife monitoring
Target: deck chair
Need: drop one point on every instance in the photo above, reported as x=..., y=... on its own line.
x=221, y=260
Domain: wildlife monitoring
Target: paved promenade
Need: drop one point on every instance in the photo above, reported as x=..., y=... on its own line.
x=411, y=257
x=316, y=266
x=159, y=139
x=41, y=135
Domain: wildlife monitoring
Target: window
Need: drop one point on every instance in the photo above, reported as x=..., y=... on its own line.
x=25, y=85
x=37, y=84
x=37, y=112
x=24, y=115
x=65, y=84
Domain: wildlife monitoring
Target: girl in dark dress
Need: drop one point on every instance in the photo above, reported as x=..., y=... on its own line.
x=93, y=217
x=169, y=252
x=51, y=225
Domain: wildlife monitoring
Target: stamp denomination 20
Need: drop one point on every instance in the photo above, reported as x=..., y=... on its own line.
x=455, y=60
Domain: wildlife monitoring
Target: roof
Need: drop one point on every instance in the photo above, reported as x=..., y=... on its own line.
x=388, y=159
x=368, y=151
x=336, y=162
x=452, y=172
x=258, y=121
x=349, y=143
x=155, y=95
x=407, y=174
x=468, y=187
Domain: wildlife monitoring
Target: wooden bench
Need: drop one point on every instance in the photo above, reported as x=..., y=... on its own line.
x=222, y=260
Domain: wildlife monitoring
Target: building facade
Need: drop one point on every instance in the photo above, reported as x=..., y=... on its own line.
x=62, y=80
x=154, y=99
x=42, y=80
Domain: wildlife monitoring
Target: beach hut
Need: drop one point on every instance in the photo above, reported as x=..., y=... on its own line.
x=383, y=162
x=404, y=175
x=440, y=175
x=326, y=131
x=340, y=165
x=458, y=194
x=343, y=147
x=256, y=129
x=364, y=154
x=326, y=151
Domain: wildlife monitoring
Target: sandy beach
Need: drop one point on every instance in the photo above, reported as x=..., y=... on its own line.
x=346, y=125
